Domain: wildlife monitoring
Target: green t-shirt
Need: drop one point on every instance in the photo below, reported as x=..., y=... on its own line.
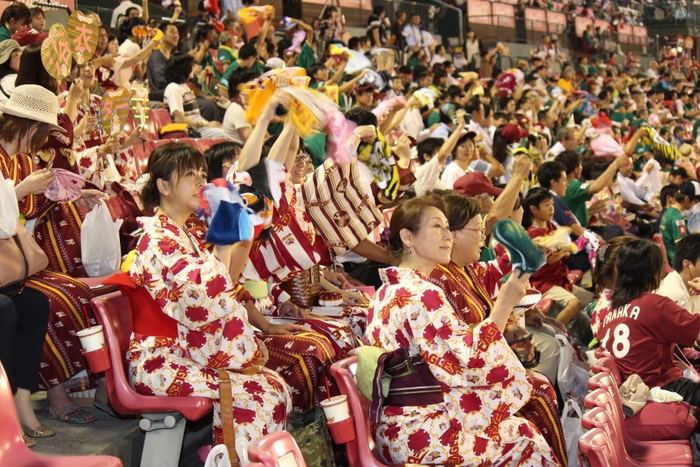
x=4, y=33
x=576, y=197
x=672, y=228
x=306, y=57
x=226, y=54
x=227, y=73
x=433, y=118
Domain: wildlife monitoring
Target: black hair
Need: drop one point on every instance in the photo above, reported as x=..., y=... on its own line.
x=125, y=30
x=168, y=162
x=549, y=172
x=474, y=105
x=238, y=77
x=639, y=270
x=570, y=159
x=669, y=190
x=500, y=145
x=534, y=197
x=409, y=215
x=247, y=51
x=378, y=10
x=427, y=146
x=353, y=42
x=687, y=247
x=164, y=26
x=202, y=31
x=361, y=116
x=218, y=154
x=315, y=68
x=16, y=11
x=178, y=68
x=460, y=209
x=685, y=190
x=32, y=71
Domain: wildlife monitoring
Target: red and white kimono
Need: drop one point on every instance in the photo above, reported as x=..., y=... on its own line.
x=194, y=288
x=483, y=382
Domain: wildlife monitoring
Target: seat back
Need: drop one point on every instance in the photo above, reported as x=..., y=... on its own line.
x=276, y=449
x=112, y=312
x=205, y=143
x=597, y=447
x=362, y=451
x=609, y=399
x=600, y=380
x=12, y=447
x=599, y=417
x=157, y=119
x=660, y=241
x=607, y=365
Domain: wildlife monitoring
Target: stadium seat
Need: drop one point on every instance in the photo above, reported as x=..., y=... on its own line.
x=607, y=365
x=13, y=451
x=574, y=276
x=157, y=119
x=632, y=453
x=598, y=448
x=163, y=419
x=205, y=143
x=276, y=449
x=545, y=305
x=362, y=451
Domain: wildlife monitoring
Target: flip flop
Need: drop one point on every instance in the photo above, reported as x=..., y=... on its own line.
x=73, y=414
x=524, y=254
x=106, y=408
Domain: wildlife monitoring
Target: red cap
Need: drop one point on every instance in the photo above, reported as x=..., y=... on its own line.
x=513, y=133
x=474, y=184
x=29, y=36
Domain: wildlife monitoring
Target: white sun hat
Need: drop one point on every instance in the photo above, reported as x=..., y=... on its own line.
x=33, y=102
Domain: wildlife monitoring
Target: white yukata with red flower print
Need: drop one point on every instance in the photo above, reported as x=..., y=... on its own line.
x=194, y=288
x=483, y=383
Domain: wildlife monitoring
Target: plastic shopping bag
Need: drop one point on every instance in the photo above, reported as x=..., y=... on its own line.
x=9, y=209
x=571, y=423
x=570, y=376
x=101, y=250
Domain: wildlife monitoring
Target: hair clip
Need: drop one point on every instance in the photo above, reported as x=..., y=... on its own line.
x=601, y=252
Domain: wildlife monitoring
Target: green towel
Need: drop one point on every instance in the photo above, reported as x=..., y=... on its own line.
x=367, y=357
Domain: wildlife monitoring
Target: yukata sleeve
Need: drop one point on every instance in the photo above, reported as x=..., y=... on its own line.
x=195, y=291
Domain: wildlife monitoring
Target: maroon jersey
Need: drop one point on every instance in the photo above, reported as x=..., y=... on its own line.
x=641, y=336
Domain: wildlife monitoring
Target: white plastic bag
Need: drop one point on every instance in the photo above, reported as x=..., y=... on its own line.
x=572, y=429
x=218, y=457
x=570, y=377
x=101, y=250
x=9, y=209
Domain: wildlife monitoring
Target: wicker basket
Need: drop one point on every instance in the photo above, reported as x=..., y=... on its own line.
x=303, y=287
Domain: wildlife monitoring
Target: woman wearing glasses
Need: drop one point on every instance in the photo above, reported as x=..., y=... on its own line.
x=467, y=416
x=468, y=296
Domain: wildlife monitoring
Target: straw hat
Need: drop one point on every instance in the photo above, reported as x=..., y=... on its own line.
x=33, y=102
x=6, y=48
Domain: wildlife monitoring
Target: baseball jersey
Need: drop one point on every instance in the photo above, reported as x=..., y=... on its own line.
x=576, y=197
x=549, y=275
x=672, y=229
x=641, y=337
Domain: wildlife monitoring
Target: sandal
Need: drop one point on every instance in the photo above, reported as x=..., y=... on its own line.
x=29, y=442
x=106, y=407
x=40, y=432
x=71, y=413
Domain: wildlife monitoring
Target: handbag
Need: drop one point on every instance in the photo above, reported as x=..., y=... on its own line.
x=226, y=401
x=310, y=432
x=22, y=257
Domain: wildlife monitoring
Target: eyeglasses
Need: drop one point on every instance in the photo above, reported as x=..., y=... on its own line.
x=481, y=230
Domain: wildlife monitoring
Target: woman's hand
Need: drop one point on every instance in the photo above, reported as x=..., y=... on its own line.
x=336, y=278
x=77, y=89
x=288, y=308
x=366, y=133
x=90, y=198
x=111, y=146
x=285, y=329
x=35, y=184
x=354, y=298
x=514, y=289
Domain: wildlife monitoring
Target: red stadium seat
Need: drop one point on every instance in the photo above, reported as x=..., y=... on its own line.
x=632, y=452
x=574, y=276
x=162, y=416
x=598, y=448
x=362, y=451
x=205, y=143
x=277, y=449
x=656, y=238
x=13, y=451
x=545, y=305
x=157, y=119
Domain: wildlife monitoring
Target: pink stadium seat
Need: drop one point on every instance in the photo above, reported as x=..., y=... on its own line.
x=574, y=276
x=157, y=119
x=277, y=449
x=607, y=365
x=545, y=305
x=13, y=451
x=598, y=448
x=162, y=416
x=205, y=143
x=656, y=238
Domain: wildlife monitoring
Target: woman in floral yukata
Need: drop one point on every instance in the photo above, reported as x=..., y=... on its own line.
x=209, y=329
x=483, y=383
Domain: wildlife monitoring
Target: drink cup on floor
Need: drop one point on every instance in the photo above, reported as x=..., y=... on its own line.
x=91, y=338
x=336, y=408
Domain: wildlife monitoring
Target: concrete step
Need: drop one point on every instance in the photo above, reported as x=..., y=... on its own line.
x=121, y=438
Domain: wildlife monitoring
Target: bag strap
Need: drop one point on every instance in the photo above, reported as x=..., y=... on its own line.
x=226, y=402
x=19, y=291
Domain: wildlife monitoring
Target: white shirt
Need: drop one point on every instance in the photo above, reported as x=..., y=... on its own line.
x=129, y=48
x=428, y=177
x=180, y=97
x=437, y=59
x=631, y=192
x=121, y=10
x=479, y=130
x=555, y=150
x=416, y=36
x=450, y=175
x=650, y=182
x=234, y=119
x=652, y=74
x=673, y=287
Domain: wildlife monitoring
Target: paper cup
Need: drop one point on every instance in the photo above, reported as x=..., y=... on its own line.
x=91, y=339
x=98, y=360
x=336, y=408
x=343, y=431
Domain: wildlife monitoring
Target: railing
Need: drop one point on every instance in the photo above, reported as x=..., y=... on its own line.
x=438, y=17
